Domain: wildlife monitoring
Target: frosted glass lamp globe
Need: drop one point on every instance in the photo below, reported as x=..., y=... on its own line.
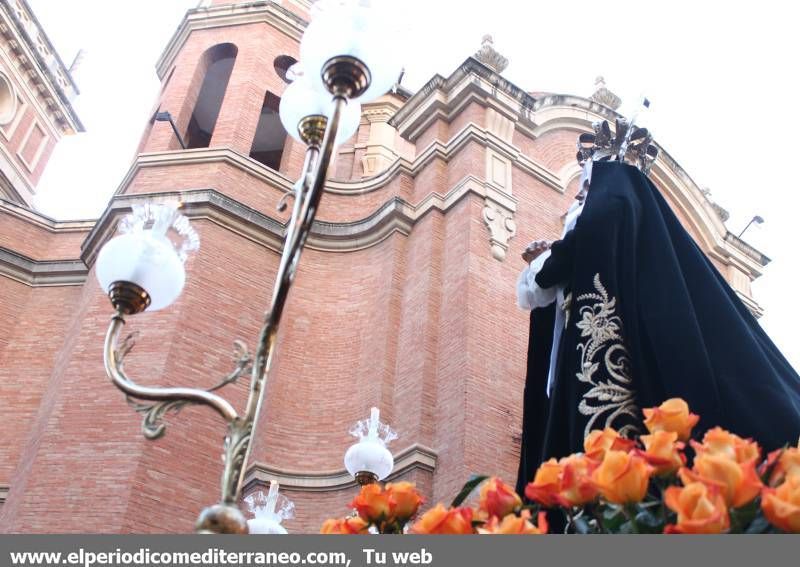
x=361, y=29
x=145, y=256
x=302, y=98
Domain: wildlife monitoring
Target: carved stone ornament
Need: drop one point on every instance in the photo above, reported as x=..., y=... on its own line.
x=489, y=56
x=502, y=228
x=605, y=96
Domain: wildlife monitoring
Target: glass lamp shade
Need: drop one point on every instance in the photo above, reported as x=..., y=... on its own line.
x=301, y=99
x=369, y=455
x=362, y=29
x=147, y=260
x=265, y=526
x=269, y=510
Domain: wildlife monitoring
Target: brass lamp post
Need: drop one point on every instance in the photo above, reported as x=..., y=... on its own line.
x=343, y=50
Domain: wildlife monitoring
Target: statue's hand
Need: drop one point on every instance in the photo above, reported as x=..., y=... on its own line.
x=535, y=249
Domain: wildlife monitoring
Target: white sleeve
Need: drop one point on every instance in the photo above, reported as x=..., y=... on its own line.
x=529, y=294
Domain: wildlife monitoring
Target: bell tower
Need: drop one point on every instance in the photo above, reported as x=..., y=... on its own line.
x=213, y=142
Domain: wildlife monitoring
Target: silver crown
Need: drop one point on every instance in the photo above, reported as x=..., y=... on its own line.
x=633, y=146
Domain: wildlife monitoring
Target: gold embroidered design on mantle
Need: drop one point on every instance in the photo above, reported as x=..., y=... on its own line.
x=602, y=328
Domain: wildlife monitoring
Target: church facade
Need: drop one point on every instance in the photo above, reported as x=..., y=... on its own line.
x=404, y=300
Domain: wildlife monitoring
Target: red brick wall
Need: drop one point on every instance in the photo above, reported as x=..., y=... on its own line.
x=423, y=326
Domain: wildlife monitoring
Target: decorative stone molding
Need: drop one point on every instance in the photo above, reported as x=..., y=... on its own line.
x=415, y=457
x=489, y=56
x=381, y=146
x=499, y=125
x=3, y=494
x=498, y=213
x=395, y=215
x=39, y=60
x=41, y=273
x=502, y=228
x=605, y=96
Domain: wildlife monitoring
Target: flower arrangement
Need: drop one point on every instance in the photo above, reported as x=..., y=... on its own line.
x=616, y=485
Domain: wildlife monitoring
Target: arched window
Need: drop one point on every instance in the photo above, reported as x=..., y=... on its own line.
x=270, y=136
x=215, y=67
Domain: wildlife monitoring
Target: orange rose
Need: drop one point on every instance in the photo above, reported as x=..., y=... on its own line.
x=782, y=505
x=512, y=524
x=700, y=507
x=346, y=526
x=672, y=415
x=405, y=498
x=440, y=520
x=598, y=442
x=622, y=478
x=373, y=504
x=663, y=451
x=498, y=499
x=788, y=464
x=546, y=484
x=577, y=488
x=717, y=441
x=739, y=483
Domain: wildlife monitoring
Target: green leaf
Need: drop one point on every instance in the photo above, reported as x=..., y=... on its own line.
x=613, y=518
x=649, y=523
x=467, y=489
x=743, y=516
x=626, y=528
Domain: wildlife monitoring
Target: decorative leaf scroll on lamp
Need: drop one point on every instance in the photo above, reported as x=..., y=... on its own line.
x=347, y=57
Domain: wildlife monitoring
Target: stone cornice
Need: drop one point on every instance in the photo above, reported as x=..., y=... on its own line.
x=42, y=220
x=226, y=15
x=748, y=250
x=205, y=155
x=416, y=457
x=440, y=89
x=395, y=215
x=31, y=45
x=435, y=150
x=41, y=273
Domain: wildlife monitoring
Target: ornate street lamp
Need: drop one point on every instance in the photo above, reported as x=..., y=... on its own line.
x=268, y=511
x=348, y=56
x=369, y=460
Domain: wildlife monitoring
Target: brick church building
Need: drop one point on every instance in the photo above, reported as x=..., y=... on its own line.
x=404, y=300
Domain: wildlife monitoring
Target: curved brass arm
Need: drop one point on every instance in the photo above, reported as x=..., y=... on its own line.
x=121, y=381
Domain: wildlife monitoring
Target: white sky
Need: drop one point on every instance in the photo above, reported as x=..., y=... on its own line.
x=722, y=78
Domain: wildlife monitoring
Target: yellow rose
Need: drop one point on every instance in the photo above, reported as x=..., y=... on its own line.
x=781, y=505
x=700, y=507
x=405, y=499
x=498, y=499
x=577, y=487
x=622, y=478
x=672, y=415
x=599, y=441
x=512, y=524
x=717, y=441
x=346, y=526
x=788, y=464
x=739, y=483
x=440, y=520
x=663, y=451
x=373, y=504
x=546, y=484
